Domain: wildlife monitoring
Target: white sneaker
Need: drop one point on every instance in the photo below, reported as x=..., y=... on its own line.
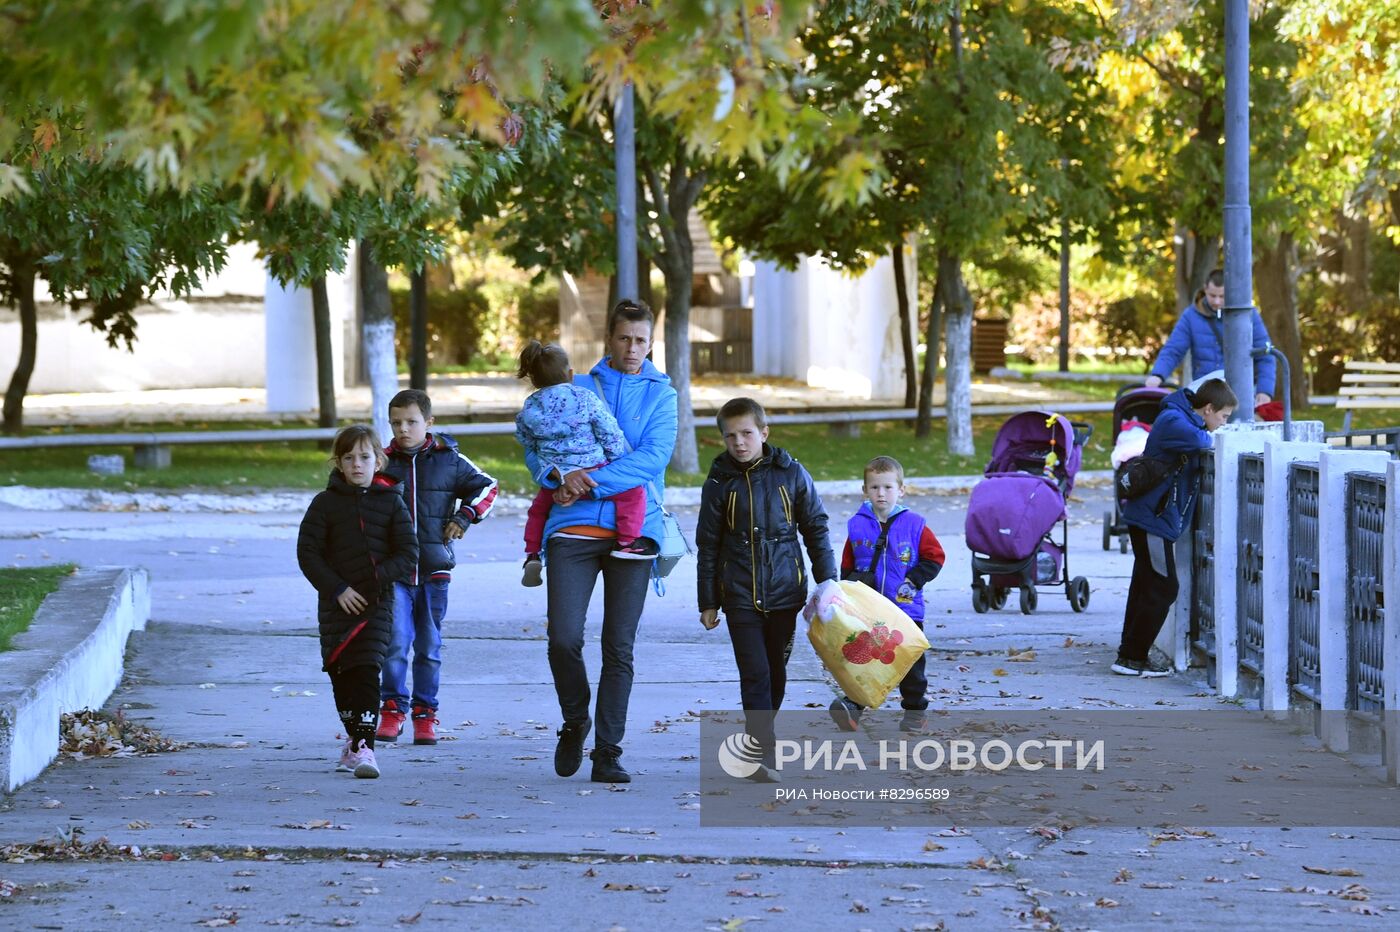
x=347, y=759
x=366, y=767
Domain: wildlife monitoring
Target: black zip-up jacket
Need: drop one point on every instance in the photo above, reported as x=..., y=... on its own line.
x=750, y=518
x=361, y=539
x=435, y=478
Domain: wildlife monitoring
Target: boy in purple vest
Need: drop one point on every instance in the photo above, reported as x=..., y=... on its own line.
x=892, y=550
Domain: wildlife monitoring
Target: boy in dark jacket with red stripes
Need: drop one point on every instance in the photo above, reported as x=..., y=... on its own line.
x=755, y=503
x=445, y=493
x=893, y=551
x=355, y=541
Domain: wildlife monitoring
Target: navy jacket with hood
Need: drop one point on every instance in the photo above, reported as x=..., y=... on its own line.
x=434, y=478
x=1178, y=430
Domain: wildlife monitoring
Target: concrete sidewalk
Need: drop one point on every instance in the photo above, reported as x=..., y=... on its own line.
x=478, y=831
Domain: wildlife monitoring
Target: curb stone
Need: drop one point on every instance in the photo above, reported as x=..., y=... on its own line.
x=70, y=658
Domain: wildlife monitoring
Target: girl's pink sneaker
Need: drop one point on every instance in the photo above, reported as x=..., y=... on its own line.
x=347, y=759
x=365, y=767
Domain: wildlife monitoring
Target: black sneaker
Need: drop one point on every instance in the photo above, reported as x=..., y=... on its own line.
x=607, y=768
x=764, y=775
x=913, y=720
x=533, y=571
x=1149, y=668
x=568, y=754
x=643, y=548
x=845, y=713
x=1125, y=667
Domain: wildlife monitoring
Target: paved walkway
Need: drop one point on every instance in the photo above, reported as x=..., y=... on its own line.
x=482, y=397
x=250, y=825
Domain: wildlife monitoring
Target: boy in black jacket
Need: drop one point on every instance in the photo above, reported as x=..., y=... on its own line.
x=755, y=502
x=435, y=477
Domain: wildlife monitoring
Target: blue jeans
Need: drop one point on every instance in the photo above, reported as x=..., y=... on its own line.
x=418, y=614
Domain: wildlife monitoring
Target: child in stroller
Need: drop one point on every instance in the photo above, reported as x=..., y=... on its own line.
x=1013, y=511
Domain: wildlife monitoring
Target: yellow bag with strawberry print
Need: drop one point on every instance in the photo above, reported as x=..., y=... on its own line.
x=867, y=643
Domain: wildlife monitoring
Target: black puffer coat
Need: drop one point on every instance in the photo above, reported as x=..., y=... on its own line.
x=435, y=478
x=361, y=539
x=750, y=519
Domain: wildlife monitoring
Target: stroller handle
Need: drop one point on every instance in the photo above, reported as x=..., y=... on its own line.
x=1082, y=432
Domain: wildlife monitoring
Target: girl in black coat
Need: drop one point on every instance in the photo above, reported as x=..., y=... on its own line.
x=355, y=541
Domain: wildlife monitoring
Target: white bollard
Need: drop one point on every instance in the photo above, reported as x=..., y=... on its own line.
x=1334, y=464
x=1230, y=441
x=1391, y=656
x=1278, y=455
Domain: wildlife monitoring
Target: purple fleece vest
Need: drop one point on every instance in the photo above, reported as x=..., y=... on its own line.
x=900, y=555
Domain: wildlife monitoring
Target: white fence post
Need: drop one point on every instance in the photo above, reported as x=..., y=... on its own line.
x=1230, y=441
x=1391, y=655
x=1278, y=454
x=1333, y=519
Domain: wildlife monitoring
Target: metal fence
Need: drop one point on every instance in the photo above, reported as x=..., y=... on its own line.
x=1304, y=656
x=1250, y=553
x=1203, y=562
x=1365, y=592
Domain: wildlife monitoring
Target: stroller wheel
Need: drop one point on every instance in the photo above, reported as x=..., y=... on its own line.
x=999, y=596
x=1028, y=600
x=1078, y=591
x=1107, y=529
x=981, y=598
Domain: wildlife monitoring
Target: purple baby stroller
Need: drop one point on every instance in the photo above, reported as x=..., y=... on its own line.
x=1015, y=508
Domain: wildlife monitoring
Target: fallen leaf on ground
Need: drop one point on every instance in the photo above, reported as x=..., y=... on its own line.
x=1333, y=871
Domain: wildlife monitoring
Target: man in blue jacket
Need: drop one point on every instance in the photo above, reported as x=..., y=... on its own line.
x=1201, y=332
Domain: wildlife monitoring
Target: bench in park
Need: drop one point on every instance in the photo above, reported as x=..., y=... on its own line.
x=1369, y=385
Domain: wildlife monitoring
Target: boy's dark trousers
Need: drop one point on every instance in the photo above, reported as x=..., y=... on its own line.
x=1150, y=594
x=762, y=643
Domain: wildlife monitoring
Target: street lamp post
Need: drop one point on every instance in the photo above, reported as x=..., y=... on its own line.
x=1239, y=248
x=625, y=169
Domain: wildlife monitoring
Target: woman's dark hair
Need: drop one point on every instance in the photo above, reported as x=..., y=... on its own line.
x=632, y=311
x=739, y=407
x=351, y=437
x=1214, y=392
x=544, y=364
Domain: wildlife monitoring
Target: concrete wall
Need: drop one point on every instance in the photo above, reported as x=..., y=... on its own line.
x=830, y=329
x=218, y=338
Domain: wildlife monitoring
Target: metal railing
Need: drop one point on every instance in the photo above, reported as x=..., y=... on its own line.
x=1250, y=553
x=1304, y=621
x=1203, y=561
x=1365, y=605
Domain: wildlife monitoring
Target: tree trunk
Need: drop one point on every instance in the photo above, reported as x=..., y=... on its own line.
x=958, y=303
x=1195, y=258
x=923, y=424
x=23, y=276
x=418, y=330
x=377, y=335
x=1354, y=240
x=325, y=357
x=673, y=198
x=1276, y=278
x=906, y=327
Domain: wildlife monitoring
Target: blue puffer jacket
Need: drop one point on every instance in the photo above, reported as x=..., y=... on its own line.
x=1204, y=338
x=645, y=407
x=1177, y=430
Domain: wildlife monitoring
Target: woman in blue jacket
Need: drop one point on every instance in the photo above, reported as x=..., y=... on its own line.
x=1201, y=332
x=580, y=535
x=1157, y=519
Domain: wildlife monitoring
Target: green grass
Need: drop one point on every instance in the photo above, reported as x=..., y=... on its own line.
x=1127, y=365
x=232, y=468
x=21, y=591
